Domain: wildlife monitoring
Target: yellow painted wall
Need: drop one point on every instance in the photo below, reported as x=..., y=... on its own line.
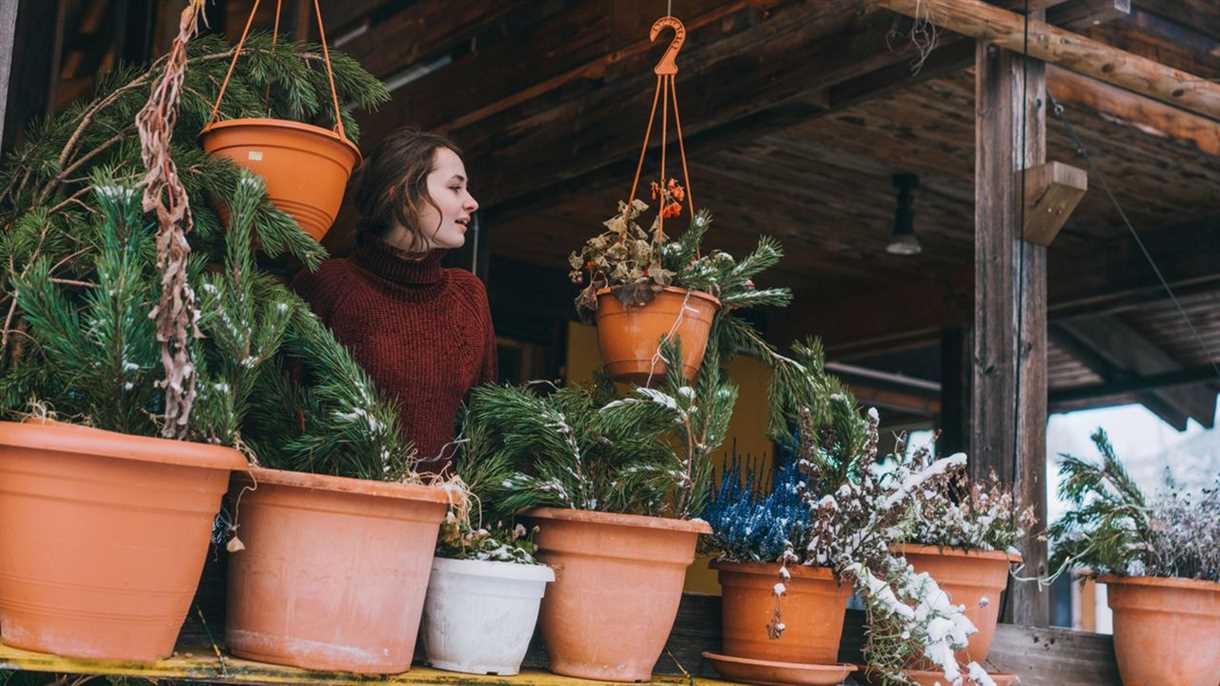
x=748, y=428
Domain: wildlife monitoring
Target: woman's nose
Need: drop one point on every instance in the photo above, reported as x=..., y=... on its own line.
x=471, y=204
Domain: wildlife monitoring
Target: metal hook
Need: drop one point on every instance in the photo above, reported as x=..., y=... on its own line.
x=668, y=64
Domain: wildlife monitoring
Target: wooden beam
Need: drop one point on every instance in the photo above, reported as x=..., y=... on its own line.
x=1070, y=50
x=1129, y=109
x=1134, y=355
x=1189, y=376
x=1008, y=386
x=1052, y=191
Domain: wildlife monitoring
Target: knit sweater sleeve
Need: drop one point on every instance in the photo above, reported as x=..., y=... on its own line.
x=490, y=372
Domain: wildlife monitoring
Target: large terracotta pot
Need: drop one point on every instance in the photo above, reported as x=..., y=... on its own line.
x=103, y=537
x=975, y=579
x=813, y=608
x=618, y=582
x=334, y=570
x=1166, y=631
x=630, y=337
x=306, y=167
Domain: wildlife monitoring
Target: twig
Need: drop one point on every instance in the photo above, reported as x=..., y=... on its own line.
x=73, y=282
x=54, y=182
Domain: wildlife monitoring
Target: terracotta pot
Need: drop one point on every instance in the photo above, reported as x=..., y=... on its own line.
x=618, y=582
x=630, y=337
x=1166, y=631
x=975, y=579
x=334, y=570
x=813, y=608
x=103, y=538
x=306, y=167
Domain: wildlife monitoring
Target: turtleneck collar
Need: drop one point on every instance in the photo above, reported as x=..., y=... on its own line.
x=397, y=266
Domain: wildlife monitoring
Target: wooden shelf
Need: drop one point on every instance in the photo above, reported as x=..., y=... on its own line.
x=200, y=663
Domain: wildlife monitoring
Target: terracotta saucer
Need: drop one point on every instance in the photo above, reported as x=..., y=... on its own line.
x=933, y=678
x=778, y=673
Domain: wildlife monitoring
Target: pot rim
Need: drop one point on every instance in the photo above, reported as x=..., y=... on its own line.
x=1161, y=581
x=273, y=123
x=48, y=434
x=695, y=526
x=493, y=569
x=946, y=551
x=344, y=484
x=798, y=571
x=702, y=295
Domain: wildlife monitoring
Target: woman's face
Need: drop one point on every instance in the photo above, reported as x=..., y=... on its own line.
x=444, y=226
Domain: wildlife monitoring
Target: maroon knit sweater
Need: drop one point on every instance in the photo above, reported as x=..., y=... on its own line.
x=421, y=331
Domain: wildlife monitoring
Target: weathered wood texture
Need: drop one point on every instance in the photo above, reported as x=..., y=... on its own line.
x=1052, y=191
x=1008, y=393
x=1076, y=52
x=8, y=29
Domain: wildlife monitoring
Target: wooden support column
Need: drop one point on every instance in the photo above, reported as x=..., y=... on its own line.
x=1008, y=393
x=8, y=35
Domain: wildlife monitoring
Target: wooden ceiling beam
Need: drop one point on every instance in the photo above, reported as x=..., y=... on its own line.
x=1070, y=50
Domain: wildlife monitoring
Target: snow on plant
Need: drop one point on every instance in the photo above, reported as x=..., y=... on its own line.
x=836, y=504
x=1112, y=527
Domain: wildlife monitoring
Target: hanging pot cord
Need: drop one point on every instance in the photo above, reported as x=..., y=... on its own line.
x=330, y=73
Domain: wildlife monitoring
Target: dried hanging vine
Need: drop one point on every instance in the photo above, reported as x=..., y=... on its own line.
x=176, y=313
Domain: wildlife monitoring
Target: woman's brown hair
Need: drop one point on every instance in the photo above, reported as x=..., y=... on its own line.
x=392, y=184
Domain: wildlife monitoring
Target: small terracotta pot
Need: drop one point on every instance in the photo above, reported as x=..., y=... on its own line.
x=1166, y=631
x=618, y=582
x=812, y=610
x=306, y=167
x=630, y=337
x=334, y=570
x=975, y=579
x=103, y=537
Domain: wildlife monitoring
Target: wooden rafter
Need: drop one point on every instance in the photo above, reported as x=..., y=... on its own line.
x=1070, y=50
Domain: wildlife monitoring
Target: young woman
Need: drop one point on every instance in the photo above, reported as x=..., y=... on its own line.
x=421, y=331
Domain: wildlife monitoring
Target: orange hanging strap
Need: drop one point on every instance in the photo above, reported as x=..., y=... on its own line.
x=275, y=38
x=330, y=74
x=635, y=183
x=690, y=194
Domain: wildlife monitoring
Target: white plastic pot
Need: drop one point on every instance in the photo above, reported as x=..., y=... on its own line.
x=479, y=615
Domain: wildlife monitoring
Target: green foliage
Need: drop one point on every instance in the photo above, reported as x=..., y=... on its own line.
x=1111, y=527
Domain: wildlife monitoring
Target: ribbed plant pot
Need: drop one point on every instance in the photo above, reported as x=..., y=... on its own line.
x=1166, y=631
x=334, y=570
x=975, y=579
x=480, y=614
x=618, y=582
x=630, y=337
x=305, y=167
x=103, y=537
x=812, y=610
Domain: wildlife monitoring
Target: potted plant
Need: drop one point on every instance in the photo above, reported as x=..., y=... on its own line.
x=1160, y=559
x=613, y=484
x=964, y=534
x=486, y=583
x=306, y=166
x=832, y=515
x=642, y=287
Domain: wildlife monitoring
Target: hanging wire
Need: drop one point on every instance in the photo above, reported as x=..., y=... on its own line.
x=1094, y=170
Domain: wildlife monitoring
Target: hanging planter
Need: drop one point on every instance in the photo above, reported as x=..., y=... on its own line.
x=333, y=571
x=974, y=579
x=814, y=606
x=618, y=582
x=104, y=537
x=306, y=168
x=1166, y=630
x=629, y=337
x=480, y=614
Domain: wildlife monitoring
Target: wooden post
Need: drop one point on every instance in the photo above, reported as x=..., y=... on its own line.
x=8, y=36
x=1008, y=393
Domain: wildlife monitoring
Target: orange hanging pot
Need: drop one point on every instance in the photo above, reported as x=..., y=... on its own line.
x=306, y=168
x=103, y=538
x=630, y=337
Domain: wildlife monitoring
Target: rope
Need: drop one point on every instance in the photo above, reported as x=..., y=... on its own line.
x=1093, y=169
x=656, y=355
